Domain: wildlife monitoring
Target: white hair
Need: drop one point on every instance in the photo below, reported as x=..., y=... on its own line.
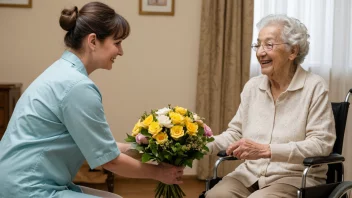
x=294, y=33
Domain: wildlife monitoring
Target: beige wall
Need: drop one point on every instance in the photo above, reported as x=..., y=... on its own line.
x=159, y=66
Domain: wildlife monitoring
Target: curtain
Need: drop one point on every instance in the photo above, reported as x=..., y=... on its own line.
x=341, y=69
x=329, y=24
x=224, y=60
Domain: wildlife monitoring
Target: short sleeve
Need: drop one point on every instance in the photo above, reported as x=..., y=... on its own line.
x=84, y=118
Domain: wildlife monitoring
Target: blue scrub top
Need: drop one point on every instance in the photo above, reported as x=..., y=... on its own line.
x=58, y=123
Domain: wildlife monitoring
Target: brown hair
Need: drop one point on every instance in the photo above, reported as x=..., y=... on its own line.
x=94, y=17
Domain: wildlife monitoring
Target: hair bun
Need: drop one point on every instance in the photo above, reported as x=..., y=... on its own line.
x=68, y=18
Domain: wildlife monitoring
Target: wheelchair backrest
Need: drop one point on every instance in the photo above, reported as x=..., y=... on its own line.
x=340, y=110
x=340, y=114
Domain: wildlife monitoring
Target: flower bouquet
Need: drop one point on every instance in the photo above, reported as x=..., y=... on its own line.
x=172, y=135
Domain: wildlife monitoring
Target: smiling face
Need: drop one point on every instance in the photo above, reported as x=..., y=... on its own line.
x=278, y=61
x=106, y=52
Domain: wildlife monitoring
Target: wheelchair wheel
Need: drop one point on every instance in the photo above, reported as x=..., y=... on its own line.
x=342, y=190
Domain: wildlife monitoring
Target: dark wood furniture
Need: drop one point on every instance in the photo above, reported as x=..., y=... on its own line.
x=9, y=95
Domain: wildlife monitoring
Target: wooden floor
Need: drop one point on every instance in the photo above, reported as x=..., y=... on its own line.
x=144, y=188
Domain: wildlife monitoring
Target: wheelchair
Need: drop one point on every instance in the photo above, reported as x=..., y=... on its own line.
x=335, y=186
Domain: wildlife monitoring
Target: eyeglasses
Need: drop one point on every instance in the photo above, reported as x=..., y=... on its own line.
x=267, y=46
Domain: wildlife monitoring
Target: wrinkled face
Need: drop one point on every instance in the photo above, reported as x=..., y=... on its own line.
x=107, y=51
x=276, y=61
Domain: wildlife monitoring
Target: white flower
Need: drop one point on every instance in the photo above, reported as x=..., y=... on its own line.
x=196, y=117
x=164, y=121
x=163, y=111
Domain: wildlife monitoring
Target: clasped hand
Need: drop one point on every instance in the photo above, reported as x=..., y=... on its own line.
x=170, y=174
x=248, y=150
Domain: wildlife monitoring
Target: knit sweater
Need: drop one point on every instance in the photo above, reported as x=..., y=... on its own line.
x=297, y=125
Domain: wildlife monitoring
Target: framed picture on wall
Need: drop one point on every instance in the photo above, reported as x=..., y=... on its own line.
x=16, y=3
x=156, y=7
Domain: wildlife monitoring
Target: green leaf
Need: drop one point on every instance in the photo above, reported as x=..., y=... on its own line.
x=211, y=139
x=130, y=138
x=178, y=145
x=200, y=131
x=146, y=157
x=178, y=161
x=188, y=163
x=145, y=132
x=174, y=149
x=181, y=154
x=198, y=155
x=140, y=148
x=168, y=157
x=205, y=148
x=161, y=157
x=154, y=148
x=169, y=152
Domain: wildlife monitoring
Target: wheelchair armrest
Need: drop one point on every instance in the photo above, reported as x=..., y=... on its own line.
x=224, y=156
x=333, y=158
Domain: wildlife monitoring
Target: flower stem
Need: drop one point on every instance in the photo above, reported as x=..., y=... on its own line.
x=168, y=191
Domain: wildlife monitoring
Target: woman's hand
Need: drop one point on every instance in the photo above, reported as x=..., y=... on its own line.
x=169, y=174
x=249, y=150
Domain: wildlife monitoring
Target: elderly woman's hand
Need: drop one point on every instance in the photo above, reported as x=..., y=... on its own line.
x=248, y=149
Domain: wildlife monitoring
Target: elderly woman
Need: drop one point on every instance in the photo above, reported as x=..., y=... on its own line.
x=284, y=117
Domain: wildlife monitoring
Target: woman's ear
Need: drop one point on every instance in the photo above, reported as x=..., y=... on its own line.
x=91, y=39
x=294, y=52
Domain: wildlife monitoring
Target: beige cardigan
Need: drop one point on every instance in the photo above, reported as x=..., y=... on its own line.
x=299, y=124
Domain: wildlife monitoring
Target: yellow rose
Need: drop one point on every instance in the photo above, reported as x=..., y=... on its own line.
x=137, y=128
x=180, y=110
x=192, y=128
x=176, y=118
x=192, y=133
x=146, y=122
x=161, y=138
x=177, y=132
x=154, y=128
x=188, y=119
